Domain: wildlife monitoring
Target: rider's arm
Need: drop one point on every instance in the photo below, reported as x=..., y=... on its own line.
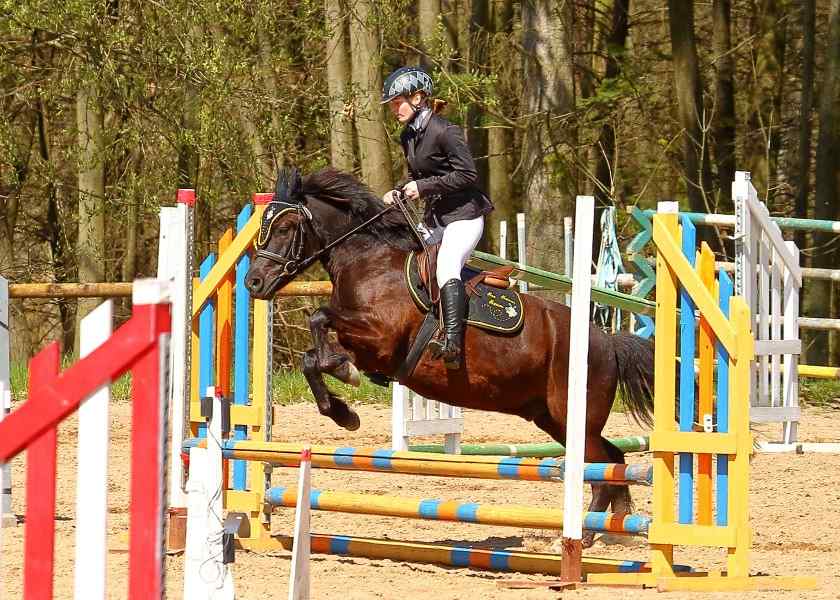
x=463, y=173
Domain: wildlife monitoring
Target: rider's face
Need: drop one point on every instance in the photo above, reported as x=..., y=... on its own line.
x=401, y=106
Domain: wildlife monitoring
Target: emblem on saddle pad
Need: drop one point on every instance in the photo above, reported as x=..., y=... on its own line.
x=490, y=308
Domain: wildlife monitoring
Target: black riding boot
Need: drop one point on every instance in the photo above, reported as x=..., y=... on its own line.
x=453, y=304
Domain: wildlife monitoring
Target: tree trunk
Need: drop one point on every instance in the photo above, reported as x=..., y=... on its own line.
x=367, y=81
x=428, y=12
x=725, y=119
x=765, y=118
x=827, y=202
x=500, y=141
x=129, y=262
x=806, y=107
x=478, y=48
x=338, y=75
x=274, y=157
x=548, y=95
x=90, y=244
x=605, y=148
x=264, y=167
x=603, y=153
x=692, y=117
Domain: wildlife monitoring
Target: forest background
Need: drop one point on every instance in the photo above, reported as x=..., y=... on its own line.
x=108, y=107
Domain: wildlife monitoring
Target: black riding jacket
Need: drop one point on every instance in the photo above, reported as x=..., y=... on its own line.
x=440, y=161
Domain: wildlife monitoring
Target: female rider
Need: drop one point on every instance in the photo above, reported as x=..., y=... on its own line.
x=443, y=173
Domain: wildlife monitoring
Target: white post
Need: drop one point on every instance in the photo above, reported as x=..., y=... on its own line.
x=205, y=576
x=399, y=412
x=521, y=247
x=175, y=261
x=92, y=477
x=790, y=377
x=503, y=239
x=299, y=577
x=7, y=518
x=576, y=411
x=568, y=242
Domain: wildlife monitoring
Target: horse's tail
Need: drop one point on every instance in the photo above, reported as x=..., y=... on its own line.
x=634, y=356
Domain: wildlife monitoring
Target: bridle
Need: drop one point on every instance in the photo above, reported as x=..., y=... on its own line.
x=294, y=264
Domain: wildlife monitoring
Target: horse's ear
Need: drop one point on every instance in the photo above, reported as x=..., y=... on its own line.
x=295, y=184
x=289, y=186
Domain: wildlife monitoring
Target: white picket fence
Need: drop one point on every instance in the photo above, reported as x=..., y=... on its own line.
x=768, y=276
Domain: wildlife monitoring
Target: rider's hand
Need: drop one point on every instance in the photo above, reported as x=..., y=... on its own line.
x=388, y=198
x=410, y=190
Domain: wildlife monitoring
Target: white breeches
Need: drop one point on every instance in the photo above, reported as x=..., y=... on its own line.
x=459, y=240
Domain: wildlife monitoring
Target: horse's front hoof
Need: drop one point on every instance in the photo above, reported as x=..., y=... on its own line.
x=351, y=421
x=353, y=377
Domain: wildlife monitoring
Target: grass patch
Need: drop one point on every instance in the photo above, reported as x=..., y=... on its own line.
x=289, y=387
x=19, y=379
x=821, y=393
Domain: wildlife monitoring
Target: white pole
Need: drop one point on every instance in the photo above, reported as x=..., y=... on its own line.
x=503, y=239
x=568, y=241
x=790, y=378
x=7, y=518
x=92, y=477
x=175, y=265
x=521, y=247
x=206, y=577
x=299, y=577
x=576, y=410
x=399, y=415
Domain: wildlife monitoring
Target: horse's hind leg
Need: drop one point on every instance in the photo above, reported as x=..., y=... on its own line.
x=620, y=498
x=596, y=449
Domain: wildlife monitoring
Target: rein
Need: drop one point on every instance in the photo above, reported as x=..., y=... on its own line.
x=292, y=266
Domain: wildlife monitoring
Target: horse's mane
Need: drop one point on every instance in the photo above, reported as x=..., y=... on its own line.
x=345, y=191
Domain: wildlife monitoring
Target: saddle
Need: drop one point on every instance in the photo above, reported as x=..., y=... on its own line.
x=492, y=305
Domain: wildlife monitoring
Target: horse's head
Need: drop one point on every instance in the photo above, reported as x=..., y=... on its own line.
x=285, y=240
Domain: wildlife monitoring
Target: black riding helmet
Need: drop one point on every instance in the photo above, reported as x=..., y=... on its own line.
x=406, y=81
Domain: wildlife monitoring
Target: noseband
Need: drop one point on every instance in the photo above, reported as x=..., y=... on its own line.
x=275, y=209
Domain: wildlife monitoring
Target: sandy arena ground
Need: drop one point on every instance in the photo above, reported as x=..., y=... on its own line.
x=794, y=516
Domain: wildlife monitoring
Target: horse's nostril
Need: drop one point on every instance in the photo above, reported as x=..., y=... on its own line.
x=254, y=284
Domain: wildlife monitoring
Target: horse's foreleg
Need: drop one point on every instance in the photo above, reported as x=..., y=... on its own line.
x=332, y=358
x=328, y=403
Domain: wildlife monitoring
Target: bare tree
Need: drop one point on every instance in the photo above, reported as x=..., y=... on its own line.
x=367, y=80
x=827, y=202
x=692, y=117
x=90, y=245
x=548, y=97
x=338, y=76
x=500, y=135
x=725, y=118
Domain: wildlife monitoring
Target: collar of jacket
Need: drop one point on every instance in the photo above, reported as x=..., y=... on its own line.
x=421, y=120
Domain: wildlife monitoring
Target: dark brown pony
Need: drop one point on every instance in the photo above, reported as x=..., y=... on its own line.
x=375, y=320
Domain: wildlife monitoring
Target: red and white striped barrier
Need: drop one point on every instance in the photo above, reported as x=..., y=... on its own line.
x=139, y=346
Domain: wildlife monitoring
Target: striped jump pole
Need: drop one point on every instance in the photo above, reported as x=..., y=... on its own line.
x=418, y=463
x=461, y=512
x=636, y=443
x=462, y=556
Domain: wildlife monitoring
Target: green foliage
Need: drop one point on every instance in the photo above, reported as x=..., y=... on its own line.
x=822, y=393
x=290, y=387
